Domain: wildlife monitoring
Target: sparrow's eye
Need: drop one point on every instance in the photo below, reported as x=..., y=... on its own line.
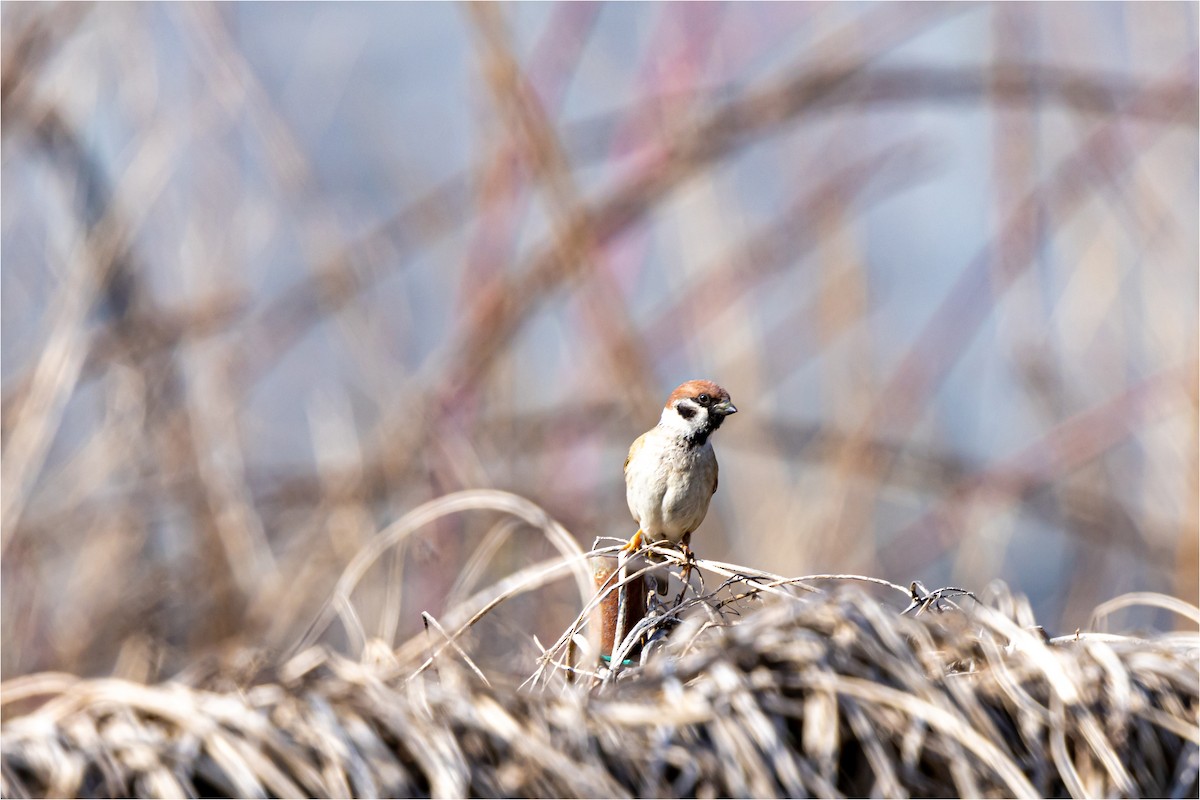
x=704, y=399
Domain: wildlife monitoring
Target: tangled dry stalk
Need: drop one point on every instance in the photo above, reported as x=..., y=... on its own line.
x=751, y=694
x=222, y=385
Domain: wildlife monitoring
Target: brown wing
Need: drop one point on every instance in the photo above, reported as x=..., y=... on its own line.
x=716, y=474
x=633, y=450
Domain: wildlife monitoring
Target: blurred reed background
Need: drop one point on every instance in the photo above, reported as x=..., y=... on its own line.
x=275, y=274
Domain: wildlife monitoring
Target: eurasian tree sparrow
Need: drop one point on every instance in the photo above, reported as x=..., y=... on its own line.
x=671, y=469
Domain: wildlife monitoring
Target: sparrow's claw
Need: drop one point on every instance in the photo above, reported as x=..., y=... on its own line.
x=635, y=543
x=689, y=560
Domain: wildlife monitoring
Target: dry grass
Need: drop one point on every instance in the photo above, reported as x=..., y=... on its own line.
x=320, y=361
x=754, y=685
x=814, y=694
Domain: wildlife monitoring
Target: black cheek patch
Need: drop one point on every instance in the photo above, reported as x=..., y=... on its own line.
x=685, y=411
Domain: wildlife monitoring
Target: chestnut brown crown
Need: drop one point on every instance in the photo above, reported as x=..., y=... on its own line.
x=694, y=410
x=696, y=390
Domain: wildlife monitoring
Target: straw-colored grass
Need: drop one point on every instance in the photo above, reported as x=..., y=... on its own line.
x=751, y=694
x=273, y=346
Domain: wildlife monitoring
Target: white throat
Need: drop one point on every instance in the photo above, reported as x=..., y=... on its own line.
x=673, y=422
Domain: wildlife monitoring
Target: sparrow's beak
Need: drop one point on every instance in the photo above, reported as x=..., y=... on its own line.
x=725, y=409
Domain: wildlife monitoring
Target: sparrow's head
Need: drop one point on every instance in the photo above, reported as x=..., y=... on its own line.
x=695, y=409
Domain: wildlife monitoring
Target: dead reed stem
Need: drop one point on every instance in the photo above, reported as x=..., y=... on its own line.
x=826, y=695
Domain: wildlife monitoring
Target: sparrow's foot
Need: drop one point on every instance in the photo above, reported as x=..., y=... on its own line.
x=635, y=543
x=689, y=561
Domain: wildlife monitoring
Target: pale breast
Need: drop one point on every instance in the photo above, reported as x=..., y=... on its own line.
x=668, y=487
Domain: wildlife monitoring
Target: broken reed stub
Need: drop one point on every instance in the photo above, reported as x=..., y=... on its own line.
x=632, y=595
